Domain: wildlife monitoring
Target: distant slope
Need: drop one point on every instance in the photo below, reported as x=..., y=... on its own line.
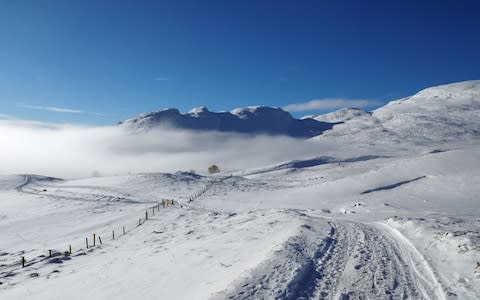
x=354, y=125
x=257, y=120
x=443, y=113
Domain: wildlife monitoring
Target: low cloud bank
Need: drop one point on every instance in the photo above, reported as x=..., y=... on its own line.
x=73, y=151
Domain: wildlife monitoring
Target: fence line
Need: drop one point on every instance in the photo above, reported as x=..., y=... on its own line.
x=92, y=244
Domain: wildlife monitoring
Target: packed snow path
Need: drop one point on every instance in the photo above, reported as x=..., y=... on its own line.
x=354, y=261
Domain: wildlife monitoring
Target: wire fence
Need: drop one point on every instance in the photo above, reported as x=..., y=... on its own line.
x=90, y=242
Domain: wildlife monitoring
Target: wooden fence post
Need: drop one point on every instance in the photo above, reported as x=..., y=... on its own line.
x=100, y=240
x=86, y=242
x=123, y=229
x=49, y=253
x=23, y=261
x=146, y=215
x=70, y=249
x=94, y=239
x=113, y=234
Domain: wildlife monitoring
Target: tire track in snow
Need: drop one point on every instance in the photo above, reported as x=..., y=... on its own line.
x=351, y=260
x=428, y=281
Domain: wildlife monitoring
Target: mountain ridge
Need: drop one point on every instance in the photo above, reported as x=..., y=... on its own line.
x=251, y=119
x=442, y=112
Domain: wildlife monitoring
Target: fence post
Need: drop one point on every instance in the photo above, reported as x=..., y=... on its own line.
x=146, y=215
x=86, y=242
x=113, y=234
x=94, y=239
x=70, y=249
x=49, y=253
x=139, y=221
x=123, y=229
x=23, y=261
x=100, y=240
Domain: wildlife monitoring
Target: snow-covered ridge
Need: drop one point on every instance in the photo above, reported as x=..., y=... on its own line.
x=253, y=119
x=442, y=113
x=343, y=115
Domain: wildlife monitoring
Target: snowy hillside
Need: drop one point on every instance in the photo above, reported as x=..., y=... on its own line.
x=439, y=114
x=355, y=124
x=405, y=227
x=258, y=120
x=445, y=112
x=384, y=205
x=442, y=113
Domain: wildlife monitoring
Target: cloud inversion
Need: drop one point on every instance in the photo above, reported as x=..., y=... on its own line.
x=75, y=151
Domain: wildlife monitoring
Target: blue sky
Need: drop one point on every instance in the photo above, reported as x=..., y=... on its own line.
x=99, y=62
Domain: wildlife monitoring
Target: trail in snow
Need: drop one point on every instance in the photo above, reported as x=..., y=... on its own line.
x=352, y=261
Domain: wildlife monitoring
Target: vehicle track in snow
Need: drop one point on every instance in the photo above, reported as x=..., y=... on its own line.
x=352, y=261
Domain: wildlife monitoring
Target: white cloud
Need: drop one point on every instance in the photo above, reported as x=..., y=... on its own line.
x=330, y=103
x=160, y=78
x=52, y=108
x=76, y=151
x=4, y=116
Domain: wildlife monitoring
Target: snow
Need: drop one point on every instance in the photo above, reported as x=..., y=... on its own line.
x=250, y=120
x=446, y=112
x=383, y=213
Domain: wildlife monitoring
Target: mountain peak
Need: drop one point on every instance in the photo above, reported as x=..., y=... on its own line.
x=199, y=110
x=251, y=120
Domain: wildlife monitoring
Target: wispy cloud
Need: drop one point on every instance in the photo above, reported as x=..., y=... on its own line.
x=160, y=79
x=52, y=108
x=330, y=103
x=4, y=116
x=60, y=110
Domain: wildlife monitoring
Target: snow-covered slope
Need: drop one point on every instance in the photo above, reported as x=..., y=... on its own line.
x=257, y=119
x=444, y=113
x=354, y=123
x=403, y=227
x=344, y=115
x=354, y=221
x=441, y=113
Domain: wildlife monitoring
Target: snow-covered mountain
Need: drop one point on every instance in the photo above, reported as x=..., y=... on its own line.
x=442, y=113
x=253, y=119
x=373, y=209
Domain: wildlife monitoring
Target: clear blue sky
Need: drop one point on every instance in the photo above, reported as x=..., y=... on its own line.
x=114, y=59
